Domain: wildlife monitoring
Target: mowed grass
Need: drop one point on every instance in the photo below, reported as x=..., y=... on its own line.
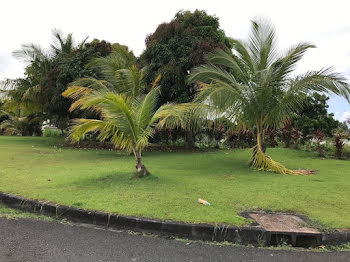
x=38, y=168
x=10, y=213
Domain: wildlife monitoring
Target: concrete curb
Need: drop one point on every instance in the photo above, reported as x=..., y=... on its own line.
x=208, y=232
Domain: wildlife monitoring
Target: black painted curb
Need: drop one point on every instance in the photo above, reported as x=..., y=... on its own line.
x=207, y=232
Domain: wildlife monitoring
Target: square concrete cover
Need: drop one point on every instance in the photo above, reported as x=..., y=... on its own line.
x=282, y=222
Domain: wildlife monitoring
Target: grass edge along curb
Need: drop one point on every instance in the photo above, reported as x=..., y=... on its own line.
x=207, y=232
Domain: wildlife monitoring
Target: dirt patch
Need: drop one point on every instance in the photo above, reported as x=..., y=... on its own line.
x=282, y=222
x=304, y=172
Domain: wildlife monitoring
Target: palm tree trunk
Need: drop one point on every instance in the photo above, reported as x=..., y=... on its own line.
x=259, y=146
x=262, y=161
x=141, y=170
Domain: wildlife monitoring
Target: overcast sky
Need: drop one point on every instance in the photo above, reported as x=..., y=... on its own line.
x=323, y=23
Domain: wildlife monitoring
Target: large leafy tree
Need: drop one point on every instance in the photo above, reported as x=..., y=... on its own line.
x=314, y=116
x=48, y=72
x=175, y=47
x=255, y=87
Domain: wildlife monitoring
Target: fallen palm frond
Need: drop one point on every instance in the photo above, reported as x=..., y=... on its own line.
x=263, y=162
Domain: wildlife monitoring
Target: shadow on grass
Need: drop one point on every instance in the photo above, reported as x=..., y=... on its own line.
x=117, y=179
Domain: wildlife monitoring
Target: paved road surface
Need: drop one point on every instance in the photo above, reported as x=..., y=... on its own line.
x=27, y=240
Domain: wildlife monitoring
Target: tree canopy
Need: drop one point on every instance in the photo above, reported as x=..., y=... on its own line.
x=47, y=74
x=314, y=116
x=176, y=47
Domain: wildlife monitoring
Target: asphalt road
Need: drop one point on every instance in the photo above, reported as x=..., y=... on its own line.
x=28, y=240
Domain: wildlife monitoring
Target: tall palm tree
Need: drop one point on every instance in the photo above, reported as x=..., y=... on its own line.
x=63, y=45
x=31, y=53
x=127, y=121
x=256, y=89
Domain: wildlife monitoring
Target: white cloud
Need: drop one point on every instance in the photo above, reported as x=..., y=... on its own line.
x=342, y=116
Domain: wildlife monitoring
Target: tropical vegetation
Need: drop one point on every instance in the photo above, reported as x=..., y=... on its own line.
x=255, y=89
x=126, y=115
x=176, y=47
x=245, y=95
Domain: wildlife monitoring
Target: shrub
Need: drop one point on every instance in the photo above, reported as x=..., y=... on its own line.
x=51, y=132
x=319, y=135
x=339, y=144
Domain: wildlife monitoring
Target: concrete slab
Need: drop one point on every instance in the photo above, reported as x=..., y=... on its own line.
x=282, y=223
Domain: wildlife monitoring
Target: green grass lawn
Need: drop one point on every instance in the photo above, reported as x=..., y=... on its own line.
x=36, y=167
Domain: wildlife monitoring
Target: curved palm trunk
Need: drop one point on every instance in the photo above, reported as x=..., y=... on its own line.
x=141, y=170
x=263, y=162
x=258, y=146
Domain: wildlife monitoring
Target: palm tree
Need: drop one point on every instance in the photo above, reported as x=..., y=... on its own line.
x=127, y=121
x=31, y=53
x=127, y=115
x=18, y=124
x=255, y=88
x=63, y=45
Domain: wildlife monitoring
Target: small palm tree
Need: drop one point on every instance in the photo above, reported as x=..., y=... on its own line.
x=255, y=88
x=127, y=121
x=17, y=124
x=127, y=115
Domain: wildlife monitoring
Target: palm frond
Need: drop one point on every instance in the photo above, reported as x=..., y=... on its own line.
x=220, y=58
x=284, y=65
x=120, y=58
x=145, y=110
x=243, y=53
x=130, y=81
x=81, y=127
x=92, y=83
x=322, y=81
x=177, y=116
x=62, y=44
x=30, y=53
x=262, y=44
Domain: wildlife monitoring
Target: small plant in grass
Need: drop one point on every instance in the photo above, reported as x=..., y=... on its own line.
x=217, y=132
x=272, y=137
x=319, y=135
x=287, y=133
x=339, y=144
x=241, y=139
x=51, y=132
x=296, y=136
